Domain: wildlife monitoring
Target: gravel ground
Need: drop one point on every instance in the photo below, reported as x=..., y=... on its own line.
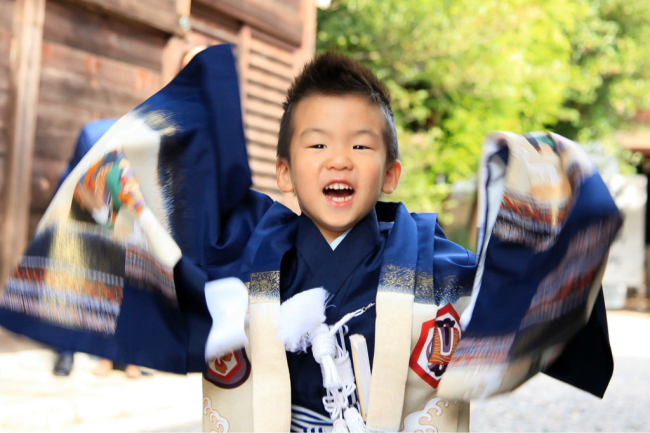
x=31, y=399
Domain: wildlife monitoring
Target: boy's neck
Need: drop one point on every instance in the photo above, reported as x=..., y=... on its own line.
x=329, y=235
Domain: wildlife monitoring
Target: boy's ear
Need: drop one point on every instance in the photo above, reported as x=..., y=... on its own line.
x=283, y=174
x=393, y=172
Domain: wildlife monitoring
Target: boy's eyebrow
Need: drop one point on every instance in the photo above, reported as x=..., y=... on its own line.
x=354, y=134
x=365, y=131
x=309, y=130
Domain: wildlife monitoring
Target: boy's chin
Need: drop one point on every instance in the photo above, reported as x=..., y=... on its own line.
x=341, y=223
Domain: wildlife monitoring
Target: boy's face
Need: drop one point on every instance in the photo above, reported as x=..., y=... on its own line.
x=338, y=161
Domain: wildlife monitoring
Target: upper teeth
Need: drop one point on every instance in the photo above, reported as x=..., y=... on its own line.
x=339, y=186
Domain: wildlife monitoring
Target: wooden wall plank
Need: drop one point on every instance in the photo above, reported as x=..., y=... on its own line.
x=262, y=180
x=45, y=178
x=173, y=58
x=159, y=14
x=25, y=74
x=4, y=122
x=254, y=121
x=263, y=138
x=3, y=174
x=6, y=27
x=264, y=108
x=271, y=66
x=207, y=21
x=272, y=51
x=101, y=72
x=5, y=47
x=77, y=27
x=262, y=153
x=265, y=93
x=57, y=128
x=271, y=16
x=243, y=63
x=261, y=77
x=6, y=14
x=73, y=89
x=34, y=219
x=308, y=45
x=264, y=168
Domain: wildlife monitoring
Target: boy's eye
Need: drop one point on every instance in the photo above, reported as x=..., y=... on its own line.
x=318, y=146
x=358, y=146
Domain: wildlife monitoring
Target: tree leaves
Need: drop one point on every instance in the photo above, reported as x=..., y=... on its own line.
x=460, y=69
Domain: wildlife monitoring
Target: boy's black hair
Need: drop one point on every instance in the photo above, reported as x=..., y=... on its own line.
x=336, y=74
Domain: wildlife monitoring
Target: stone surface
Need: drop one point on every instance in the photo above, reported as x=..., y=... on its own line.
x=32, y=399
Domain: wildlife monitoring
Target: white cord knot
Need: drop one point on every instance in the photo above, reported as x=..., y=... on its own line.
x=334, y=360
x=324, y=349
x=323, y=343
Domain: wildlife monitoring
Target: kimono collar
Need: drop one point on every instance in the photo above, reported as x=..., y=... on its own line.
x=313, y=247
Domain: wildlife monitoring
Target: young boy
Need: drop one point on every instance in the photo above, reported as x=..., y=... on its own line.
x=162, y=204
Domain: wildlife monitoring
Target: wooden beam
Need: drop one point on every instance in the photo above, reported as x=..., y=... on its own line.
x=308, y=46
x=272, y=16
x=173, y=57
x=184, y=7
x=243, y=63
x=222, y=35
x=76, y=26
x=25, y=71
x=165, y=19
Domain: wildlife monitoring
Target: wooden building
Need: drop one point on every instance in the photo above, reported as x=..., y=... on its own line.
x=64, y=63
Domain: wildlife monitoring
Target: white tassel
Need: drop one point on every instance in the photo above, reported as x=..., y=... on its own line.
x=299, y=317
x=227, y=301
x=340, y=426
x=301, y=323
x=344, y=369
x=354, y=420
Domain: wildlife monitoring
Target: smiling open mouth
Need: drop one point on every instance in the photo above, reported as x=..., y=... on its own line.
x=339, y=192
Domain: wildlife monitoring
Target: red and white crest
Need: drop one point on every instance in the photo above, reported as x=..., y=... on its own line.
x=229, y=371
x=438, y=341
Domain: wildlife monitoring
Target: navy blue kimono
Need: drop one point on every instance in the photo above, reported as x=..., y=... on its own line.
x=225, y=229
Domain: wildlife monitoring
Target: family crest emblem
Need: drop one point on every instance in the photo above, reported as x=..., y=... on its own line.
x=438, y=341
x=229, y=371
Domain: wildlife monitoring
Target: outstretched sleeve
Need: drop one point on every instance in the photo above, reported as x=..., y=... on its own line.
x=546, y=224
x=119, y=261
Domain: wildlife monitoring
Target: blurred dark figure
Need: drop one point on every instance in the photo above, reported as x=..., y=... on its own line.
x=64, y=362
x=89, y=135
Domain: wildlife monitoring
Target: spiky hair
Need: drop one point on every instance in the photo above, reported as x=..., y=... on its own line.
x=334, y=74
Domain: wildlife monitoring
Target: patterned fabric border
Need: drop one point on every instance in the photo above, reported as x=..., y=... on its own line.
x=34, y=262
x=483, y=350
x=567, y=287
x=533, y=223
x=144, y=271
x=264, y=287
x=64, y=299
x=398, y=279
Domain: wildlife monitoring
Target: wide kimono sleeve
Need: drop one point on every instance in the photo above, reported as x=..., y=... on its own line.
x=158, y=205
x=546, y=222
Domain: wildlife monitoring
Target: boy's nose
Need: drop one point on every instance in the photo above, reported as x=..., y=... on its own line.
x=340, y=162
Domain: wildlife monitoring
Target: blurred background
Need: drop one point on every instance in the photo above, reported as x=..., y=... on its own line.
x=457, y=70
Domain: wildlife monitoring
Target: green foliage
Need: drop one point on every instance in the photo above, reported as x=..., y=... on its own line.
x=460, y=69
